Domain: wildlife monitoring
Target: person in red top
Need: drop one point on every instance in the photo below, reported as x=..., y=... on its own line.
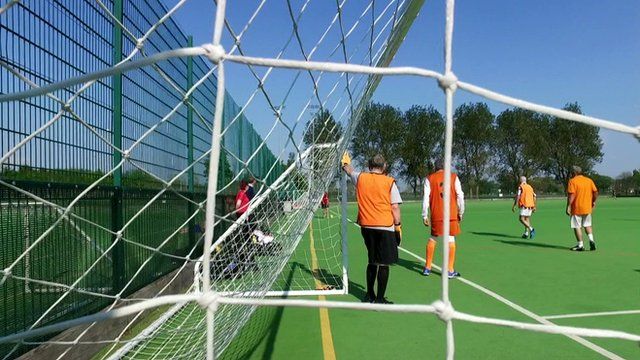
x=581, y=199
x=324, y=203
x=239, y=247
x=242, y=199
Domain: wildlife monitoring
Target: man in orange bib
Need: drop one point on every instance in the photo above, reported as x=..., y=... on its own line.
x=379, y=219
x=433, y=215
x=581, y=199
x=526, y=201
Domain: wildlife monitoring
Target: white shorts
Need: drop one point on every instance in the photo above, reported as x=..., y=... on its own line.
x=526, y=211
x=579, y=221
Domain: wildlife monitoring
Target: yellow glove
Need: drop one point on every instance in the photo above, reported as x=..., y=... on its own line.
x=346, y=159
x=398, y=230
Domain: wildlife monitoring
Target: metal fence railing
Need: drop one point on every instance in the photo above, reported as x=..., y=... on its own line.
x=46, y=41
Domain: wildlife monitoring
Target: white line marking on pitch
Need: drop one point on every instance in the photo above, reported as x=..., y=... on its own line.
x=604, y=313
x=511, y=304
x=524, y=311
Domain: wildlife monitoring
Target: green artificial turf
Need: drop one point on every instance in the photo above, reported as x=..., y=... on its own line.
x=541, y=275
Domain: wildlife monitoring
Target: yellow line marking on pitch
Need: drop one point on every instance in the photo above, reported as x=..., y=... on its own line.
x=325, y=324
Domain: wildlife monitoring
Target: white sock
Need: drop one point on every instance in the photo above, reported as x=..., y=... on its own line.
x=590, y=236
x=530, y=228
x=580, y=244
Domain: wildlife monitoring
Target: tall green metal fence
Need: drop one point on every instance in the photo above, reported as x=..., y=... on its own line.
x=51, y=40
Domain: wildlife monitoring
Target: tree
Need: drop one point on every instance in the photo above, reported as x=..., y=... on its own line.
x=59, y=176
x=140, y=179
x=515, y=146
x=546, y=185
x=636, y=178
x=322, y=129
x=423, y=134
x=628, y=183
x=472, y=143
x=291, y=159
x=603, y=183
x=380, y=131
x=564, y=143
x=624, y=183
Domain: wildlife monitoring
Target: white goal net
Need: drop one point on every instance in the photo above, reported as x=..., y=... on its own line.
x=162, y=194
x=107, y=185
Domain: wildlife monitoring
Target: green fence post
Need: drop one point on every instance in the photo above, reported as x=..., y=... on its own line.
x=191, y=207
x=117, y=212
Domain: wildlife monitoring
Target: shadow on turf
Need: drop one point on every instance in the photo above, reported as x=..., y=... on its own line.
x=495, y=234
x=532, y=244
x=265, y=321
x=416, y=267
x=412, y=266
x=262, y=327
x=355, y=289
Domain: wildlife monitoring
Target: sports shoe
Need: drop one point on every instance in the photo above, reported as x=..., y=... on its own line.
x=532, y=234
x=383, y=301
x=426, y=271
x=453, y=274
x=369, y=299
x=577, y=248
x=592, y=245
x=524, y=236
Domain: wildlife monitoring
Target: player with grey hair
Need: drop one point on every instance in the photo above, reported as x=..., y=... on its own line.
x=379, y=219
x=525, y=199
x=581, y=199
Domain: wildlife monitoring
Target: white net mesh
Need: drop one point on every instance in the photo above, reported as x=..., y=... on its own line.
x=137, y=216
x=334, y=52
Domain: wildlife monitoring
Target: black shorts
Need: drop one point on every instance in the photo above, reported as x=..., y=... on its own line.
x=381, y=246
x=325, y=206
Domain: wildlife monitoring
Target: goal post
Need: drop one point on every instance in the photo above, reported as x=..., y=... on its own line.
x=319, y=285
x=277, y=195
x=344, y=231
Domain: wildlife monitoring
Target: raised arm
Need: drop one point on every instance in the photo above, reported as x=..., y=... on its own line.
x=347, y=168
x=346, y=163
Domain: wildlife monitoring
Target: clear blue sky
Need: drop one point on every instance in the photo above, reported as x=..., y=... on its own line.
x=551, y=52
